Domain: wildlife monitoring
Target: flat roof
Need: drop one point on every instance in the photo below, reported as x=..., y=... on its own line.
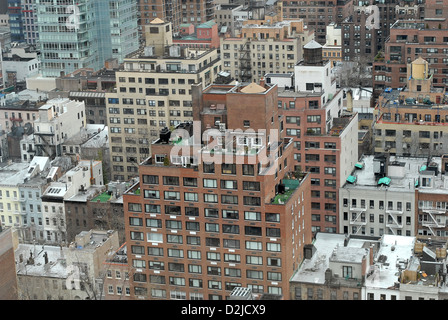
x=313, y=270
x=366, y=179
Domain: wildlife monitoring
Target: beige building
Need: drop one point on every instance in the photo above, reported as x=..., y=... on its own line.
x=65, y=273
x=264, y=46
x=153, y=92
x=332, y=50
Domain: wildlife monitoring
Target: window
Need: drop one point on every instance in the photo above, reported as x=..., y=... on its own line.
x=347, y=272
x=227, y=199
x=171, y=181
x=227, y=168
x=251, y=185
x=213, y=198
x=211, y=213
x=151, y=194
x=209, y=168
x=230, y=228
x=230, y=214
x=171, y=195
x=191, y=196
x=210, y=183
x=251, y=201
x=253, y=216
x=135, y=207
x=252, y=231
x=172, y=210
x=147, y=179
x=229, y=184
x=248, y=169
x=190, y=182
x=212, y=227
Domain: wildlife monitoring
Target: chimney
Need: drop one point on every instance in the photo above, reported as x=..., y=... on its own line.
x=262, y=82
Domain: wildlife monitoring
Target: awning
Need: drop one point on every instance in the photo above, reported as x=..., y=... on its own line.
x=351, y=179
x=422, y=168
x=384, y=180
x=359, y=165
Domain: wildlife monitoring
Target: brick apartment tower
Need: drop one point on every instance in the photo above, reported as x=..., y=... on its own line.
x=325, y=135
x=207, y=219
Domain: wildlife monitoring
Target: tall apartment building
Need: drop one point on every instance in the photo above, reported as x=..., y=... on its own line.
x=317, y=14
x=408, y=41
x=177, y=12
x=412, y=120
x=228, y=215
x=325, y=136
x=365, y=37
x=153, y=92
x=268, y=45
x=93, y=32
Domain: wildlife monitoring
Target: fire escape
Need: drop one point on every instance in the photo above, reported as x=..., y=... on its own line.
x=436, y=219
x=245, y=62
x=358, y=219
x=394, y=220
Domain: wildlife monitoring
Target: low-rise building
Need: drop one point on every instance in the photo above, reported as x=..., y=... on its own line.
x=74, y=272
x=78, y=179
x=379, y=197
x=390, y=267
x=118, y=274
x=59, y=119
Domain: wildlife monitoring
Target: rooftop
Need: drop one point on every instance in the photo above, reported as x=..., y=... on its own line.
x=328, y=246
x=36, y=266
x=402, y=171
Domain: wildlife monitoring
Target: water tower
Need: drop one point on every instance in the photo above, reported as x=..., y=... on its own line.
x=312, y=54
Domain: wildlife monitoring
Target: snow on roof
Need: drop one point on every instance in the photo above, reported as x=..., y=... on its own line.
x=55, y=268
x=392, y=251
